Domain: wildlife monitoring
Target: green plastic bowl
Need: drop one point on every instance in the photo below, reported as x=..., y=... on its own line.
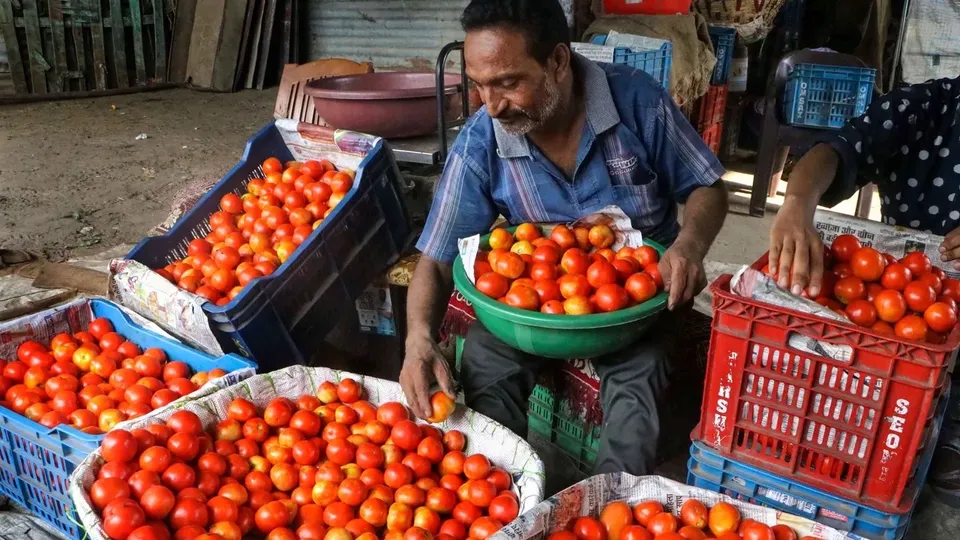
x=560, y=336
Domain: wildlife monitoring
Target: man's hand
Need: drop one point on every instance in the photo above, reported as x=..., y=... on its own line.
x=950, y=248
x=422, y=364
x=682, y=271
x=796, y=252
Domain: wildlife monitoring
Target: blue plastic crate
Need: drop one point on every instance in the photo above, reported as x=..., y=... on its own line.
x=827, y=96
x=723, y=39
x=708, y=469
x=36, y=462
x=654, y=62
x=279, y=319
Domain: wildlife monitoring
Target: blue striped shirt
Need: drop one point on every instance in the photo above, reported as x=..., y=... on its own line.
x=637, y=152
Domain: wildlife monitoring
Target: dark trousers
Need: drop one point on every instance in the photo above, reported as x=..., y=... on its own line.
x=498, y=380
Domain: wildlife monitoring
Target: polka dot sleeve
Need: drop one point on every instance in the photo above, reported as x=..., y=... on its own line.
x=891, y=133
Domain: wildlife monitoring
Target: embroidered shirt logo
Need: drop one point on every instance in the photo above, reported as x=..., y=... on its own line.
x=622, y=165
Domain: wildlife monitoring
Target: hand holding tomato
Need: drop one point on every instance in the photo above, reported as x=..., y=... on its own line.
x=682, y=271
x=422, y=363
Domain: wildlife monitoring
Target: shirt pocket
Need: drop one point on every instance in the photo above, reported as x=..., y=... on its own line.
x=641, y=202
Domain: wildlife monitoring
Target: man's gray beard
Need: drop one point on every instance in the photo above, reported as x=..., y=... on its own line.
x=546, y=110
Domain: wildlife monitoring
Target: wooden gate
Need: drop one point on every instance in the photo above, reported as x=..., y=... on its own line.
x=59, y=46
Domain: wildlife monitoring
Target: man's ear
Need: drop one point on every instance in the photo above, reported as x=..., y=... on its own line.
x=561, y=58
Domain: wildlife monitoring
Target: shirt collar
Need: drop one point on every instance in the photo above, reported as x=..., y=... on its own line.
x=598, y=101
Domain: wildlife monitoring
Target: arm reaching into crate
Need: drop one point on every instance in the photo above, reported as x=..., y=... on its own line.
x=907, y=144
x=429, y=291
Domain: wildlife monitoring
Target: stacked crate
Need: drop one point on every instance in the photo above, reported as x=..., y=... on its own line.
x=843, y=435
x=711, y=107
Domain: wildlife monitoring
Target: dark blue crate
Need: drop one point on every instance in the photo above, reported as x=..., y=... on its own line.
x=723, y=39
x=654, y=62
x=36, y=462
x=709, y=470
x=279, y=319
x=827, y=96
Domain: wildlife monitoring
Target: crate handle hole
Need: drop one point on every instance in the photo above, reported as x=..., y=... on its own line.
x=819, y=347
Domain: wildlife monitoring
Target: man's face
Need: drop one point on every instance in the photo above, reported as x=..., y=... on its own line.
x=520, y=92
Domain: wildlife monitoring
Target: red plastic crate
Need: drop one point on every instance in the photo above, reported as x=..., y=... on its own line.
x=712, y=135
x=646, y=7
x=852, y=428
x=712, y=107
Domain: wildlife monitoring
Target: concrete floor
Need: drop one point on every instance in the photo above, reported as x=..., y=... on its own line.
x=75, y=180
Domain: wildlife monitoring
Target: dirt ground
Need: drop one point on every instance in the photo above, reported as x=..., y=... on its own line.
x=75, y=180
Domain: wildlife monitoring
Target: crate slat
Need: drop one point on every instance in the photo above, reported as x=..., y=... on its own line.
x=38, y=78
x=160, y=42
x=119, y=49
x=137, y=23
x=13, y=48
x=59, y=45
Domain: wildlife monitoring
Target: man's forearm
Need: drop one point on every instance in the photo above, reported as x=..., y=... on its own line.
x=703, y=215
x=428, y=294
x=812, y=176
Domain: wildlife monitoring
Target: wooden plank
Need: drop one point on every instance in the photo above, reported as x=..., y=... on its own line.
x=59, y=44
x=80, y=54
x=45, y=22
x=255, y=44
x=38, y=76
x=9, y=33
x=295, y=34
x=160, y=42
x=283, y=53
x=269, y=22
x=180, y=40
x=98, y=53
x=214, y=43
x=119, y=47
x=240, y=75
x=136, y=20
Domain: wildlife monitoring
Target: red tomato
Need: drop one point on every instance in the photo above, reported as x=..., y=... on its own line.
x=587, y=528
x=918, y=263
x=951, y=288
x=849, y=289
x=118, y=445
x=919, y=296
x=406, y=435
x=185, y=421
x=891, y=307
x=124, y=517
x=844, y=246
x=896, y=276
x=106, y=490
x=862, y=312
x=157, y=502
x=611, y=297
x=933, y=281
x=911, y=327
x=601, y=273
x=867, y=264
x=940, y=317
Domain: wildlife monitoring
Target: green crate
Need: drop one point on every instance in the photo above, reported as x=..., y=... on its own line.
x=553, y=421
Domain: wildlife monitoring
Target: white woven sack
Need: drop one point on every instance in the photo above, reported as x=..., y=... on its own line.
x=590, y=496
x=504, y=448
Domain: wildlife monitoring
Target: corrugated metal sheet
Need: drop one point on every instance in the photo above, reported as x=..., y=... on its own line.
x=391, y=34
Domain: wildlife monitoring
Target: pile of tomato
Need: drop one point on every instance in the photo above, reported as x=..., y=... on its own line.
x=328, y=466
x=649, y=521
x=573, y=271
x=254, y=233
x=909, y=298
x=92, y=380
